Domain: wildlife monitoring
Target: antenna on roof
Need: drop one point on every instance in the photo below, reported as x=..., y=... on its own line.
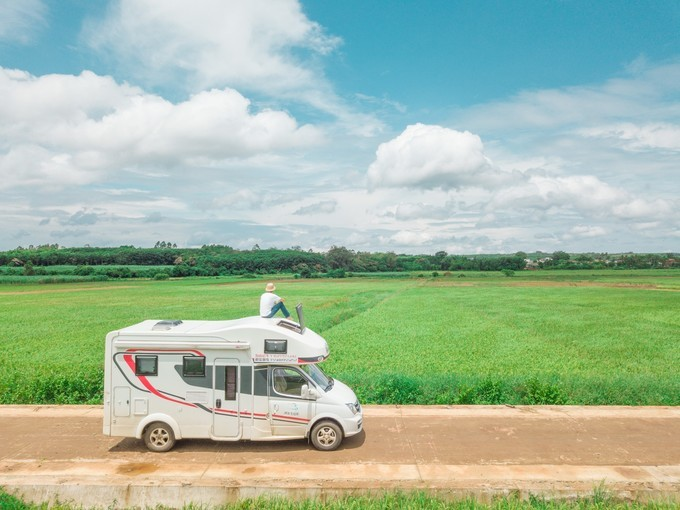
x=301, y=317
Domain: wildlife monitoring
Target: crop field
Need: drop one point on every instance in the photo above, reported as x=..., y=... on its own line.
x=607, y=337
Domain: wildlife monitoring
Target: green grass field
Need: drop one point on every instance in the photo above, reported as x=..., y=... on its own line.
x=608, y=337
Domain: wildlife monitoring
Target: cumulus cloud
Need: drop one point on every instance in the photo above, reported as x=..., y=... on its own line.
x=58, y=130
x=429, y=156
x=253, y=43
x=258, y=46
x=475, y=194
x=20, y=21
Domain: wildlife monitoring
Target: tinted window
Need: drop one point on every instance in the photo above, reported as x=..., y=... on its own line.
x=193, y=366
x=146, y=365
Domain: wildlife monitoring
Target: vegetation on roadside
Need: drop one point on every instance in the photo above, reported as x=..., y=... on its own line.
x=565, y=337
x=599, y=500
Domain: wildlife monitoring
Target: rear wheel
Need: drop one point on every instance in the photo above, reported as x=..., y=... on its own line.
x=326, y=436
x=159, y=437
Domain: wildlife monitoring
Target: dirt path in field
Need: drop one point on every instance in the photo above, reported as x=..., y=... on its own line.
x=51, y=453
x=62, y=290
x=539, y=283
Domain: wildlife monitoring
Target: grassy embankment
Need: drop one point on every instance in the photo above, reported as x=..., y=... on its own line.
x=606, y=337
x=402, y=501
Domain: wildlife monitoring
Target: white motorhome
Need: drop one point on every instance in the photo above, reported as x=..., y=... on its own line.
x=251, y=378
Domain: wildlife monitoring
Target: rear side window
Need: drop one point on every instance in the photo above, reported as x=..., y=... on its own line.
x=193, y=366
x=146, y=365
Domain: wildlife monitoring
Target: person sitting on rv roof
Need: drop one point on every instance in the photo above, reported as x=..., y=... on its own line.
x=270, y=303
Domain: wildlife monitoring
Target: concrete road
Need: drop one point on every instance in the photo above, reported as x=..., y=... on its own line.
x=59, y=452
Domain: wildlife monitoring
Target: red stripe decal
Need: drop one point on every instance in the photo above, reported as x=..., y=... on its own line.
x=290, y=418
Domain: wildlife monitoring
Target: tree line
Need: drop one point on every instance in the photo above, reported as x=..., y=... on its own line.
x=338, y=261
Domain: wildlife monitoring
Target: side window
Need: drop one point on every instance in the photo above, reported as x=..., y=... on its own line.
x=193, y=366
x=146, y=365
x=230, y=387
x=288, y=381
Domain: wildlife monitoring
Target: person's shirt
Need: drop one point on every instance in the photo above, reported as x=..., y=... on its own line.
x=267, y=302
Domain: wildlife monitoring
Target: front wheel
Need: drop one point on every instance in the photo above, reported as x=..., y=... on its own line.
x=159, y=437
x=326, y=436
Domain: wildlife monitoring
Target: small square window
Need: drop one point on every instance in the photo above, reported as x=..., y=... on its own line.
x=193, y=366
x=276, y=346
x=146, y=365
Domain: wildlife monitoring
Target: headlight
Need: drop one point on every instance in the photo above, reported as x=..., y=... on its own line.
x=355, y=407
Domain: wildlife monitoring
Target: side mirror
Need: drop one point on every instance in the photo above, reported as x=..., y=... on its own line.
x=309, y=394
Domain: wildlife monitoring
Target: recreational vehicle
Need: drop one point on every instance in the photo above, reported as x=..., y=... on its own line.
x=250, y=378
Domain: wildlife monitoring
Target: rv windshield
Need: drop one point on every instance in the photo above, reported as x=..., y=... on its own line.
x=318, y=376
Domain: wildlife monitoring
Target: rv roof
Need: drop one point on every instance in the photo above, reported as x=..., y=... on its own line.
x=202, y=327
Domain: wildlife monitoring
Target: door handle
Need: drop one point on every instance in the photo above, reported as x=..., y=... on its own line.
x=218, y=403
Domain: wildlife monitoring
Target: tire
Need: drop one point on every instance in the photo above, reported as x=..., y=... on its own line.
x=326, y=436
x=159, y=437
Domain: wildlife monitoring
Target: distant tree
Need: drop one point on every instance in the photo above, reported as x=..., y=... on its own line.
x=339, y=257
x=560, y=256
x=29, y=270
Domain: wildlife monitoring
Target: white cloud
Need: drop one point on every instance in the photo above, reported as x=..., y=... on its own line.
x=428, y=156
x=647, y=95
x=21, y=20
x=586, y=195
x=60, y=130
x=584, y=231
x=543, y=192
x=639, y=209
x=241, y=199
x=408, y=238
x=31, y=166
x=410, y=211
x=323, y=207
x=237, y=43
x=258, y=46
x=635, y=137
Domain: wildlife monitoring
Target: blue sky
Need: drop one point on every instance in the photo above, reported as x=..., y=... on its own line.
x=414, y=127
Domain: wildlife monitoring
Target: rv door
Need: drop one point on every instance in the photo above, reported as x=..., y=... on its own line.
x=226, y=399
x=290, y=409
